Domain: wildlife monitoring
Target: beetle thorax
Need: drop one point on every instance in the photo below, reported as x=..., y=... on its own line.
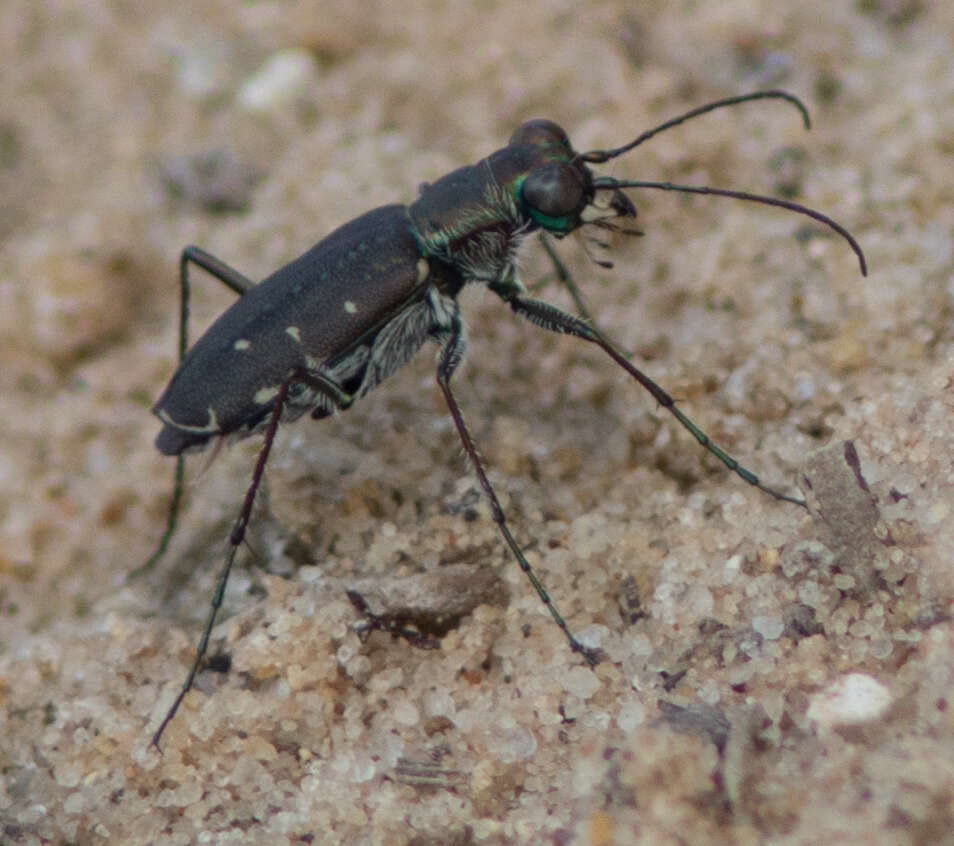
x=471, y=221
x=488, y=251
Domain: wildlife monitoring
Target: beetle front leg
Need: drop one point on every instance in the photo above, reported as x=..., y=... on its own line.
x=564, y=277
x=452, y=351
x=555, y=319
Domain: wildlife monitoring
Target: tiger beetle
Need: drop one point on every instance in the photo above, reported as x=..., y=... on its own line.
x=321, y=332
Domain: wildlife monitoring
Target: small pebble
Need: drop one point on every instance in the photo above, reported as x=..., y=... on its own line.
x=851, y=700
x=284, y=74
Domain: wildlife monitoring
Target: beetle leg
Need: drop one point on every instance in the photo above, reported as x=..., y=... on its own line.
x=214, y=266
x=227, y=275
x=324, y=384
x=240, y=284
x=172, y=519
x=555, y=319
x=452, y=351
x=235, y=540
x=565, y=278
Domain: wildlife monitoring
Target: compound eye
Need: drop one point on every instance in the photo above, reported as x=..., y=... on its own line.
x=540, y=133
x=554, y=190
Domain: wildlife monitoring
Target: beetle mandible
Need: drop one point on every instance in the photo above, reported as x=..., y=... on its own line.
x=322, y=331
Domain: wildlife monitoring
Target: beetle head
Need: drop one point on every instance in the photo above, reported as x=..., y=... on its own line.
x=558, y=193
x=561, y=194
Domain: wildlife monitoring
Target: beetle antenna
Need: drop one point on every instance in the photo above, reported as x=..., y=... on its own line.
x=608, y=183
x=600, y=156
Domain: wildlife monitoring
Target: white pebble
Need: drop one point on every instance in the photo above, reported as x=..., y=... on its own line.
x=581, y=682
x=853, y=699
x=284, y=75
x=770, y=626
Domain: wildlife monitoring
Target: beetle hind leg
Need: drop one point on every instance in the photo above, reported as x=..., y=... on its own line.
x=240, y=284
x=236, y=537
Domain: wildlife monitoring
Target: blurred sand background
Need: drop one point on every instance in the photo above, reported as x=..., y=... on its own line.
x=772, y=676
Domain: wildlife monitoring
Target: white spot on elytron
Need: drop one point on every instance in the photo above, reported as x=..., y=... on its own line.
x=295, y=332
x=211, y=426
x=423, y=270
x=264, y=395
x=350, y=307
x=242, y=344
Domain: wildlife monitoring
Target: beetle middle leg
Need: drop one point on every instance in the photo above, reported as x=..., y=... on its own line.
x=550, y=317
x=452, y=351
x=240, y=284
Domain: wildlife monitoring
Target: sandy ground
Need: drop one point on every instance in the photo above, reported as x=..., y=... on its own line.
x=772, y=675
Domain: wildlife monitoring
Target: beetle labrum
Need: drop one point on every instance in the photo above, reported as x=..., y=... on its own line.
x=325, y=329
